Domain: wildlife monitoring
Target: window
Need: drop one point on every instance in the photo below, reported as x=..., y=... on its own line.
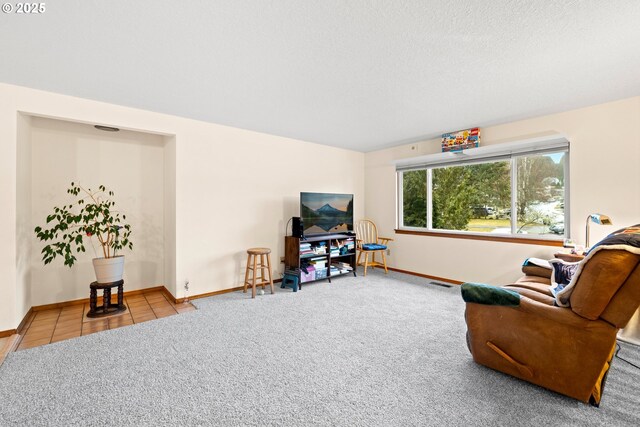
x=472, y=197
x=513, y=190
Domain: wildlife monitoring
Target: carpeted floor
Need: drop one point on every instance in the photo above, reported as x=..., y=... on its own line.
x=380, y=350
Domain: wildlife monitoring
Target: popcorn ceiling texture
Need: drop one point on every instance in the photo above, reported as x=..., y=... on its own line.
x=360, y=74
x=375, y=351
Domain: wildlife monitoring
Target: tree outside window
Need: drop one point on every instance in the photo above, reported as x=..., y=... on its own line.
x=415, y=198
x=478, y=197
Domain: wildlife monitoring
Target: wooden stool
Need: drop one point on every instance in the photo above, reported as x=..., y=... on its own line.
x=258, y=266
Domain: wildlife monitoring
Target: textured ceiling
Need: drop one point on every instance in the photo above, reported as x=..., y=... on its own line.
x=359, y=74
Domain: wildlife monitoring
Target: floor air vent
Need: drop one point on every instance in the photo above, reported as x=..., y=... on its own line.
x=444, y=285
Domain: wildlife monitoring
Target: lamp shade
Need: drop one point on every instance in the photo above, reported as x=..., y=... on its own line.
x=600, y=219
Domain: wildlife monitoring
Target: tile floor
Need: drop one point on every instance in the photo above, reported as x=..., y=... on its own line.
x=48, y=326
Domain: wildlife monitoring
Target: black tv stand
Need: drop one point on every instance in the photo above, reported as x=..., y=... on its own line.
x=338, y=250
x=321, y=237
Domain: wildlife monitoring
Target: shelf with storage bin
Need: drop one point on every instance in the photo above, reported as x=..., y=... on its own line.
x=317, y=255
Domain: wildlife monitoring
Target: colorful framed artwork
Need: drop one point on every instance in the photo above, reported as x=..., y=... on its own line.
x=461, y=140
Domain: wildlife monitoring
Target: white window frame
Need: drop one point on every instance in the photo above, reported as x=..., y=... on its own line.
x=498, y=152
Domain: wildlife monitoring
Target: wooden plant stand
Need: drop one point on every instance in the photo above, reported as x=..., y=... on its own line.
x=107, y=307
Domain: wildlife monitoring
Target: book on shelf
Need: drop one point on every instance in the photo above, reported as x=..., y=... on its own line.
x=320, y=250
x=341, y=264
x=308, y=248
x=334, y=270
x=319, y=262
x=343, y=267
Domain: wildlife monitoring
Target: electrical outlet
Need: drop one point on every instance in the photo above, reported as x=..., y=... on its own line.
x=186, y=292
x=388, y=251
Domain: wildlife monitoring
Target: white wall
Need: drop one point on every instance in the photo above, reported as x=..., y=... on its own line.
x=235, y=189
x=9, y=254
x=169, y=186
x=604, y=173
x=131, y=164
x=24, y=227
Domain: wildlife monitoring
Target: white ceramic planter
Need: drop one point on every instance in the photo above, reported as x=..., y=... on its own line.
x=109, y=269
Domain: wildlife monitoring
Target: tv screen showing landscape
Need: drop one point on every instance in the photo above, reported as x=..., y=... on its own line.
x=325, y=213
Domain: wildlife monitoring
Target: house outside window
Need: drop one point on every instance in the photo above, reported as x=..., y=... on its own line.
x=515, y=189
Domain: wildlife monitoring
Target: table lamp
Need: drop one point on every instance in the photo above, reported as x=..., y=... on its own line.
x=598, y=219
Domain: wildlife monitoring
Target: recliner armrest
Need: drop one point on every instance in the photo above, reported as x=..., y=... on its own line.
x=481, y=293
x=537, y=267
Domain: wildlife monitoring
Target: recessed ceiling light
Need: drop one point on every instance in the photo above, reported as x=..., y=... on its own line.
x=106, y=128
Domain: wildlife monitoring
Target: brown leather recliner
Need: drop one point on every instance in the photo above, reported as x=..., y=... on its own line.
x=519, y=331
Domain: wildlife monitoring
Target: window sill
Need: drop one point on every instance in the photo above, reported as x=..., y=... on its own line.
x=478, y=236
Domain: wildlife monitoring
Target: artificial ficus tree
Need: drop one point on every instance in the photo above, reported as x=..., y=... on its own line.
x=92, y=214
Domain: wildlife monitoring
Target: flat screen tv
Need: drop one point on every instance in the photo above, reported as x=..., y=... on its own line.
x=326, y=213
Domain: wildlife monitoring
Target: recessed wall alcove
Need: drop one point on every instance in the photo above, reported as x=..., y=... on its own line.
x=139, y=167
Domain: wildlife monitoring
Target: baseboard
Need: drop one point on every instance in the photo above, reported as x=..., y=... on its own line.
x=62, y=304
x=8, y=347
x=207, y=294
x=25, y=321
x=168, y=294
x=7, y=333
x=86, y=300
x=426, y=276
